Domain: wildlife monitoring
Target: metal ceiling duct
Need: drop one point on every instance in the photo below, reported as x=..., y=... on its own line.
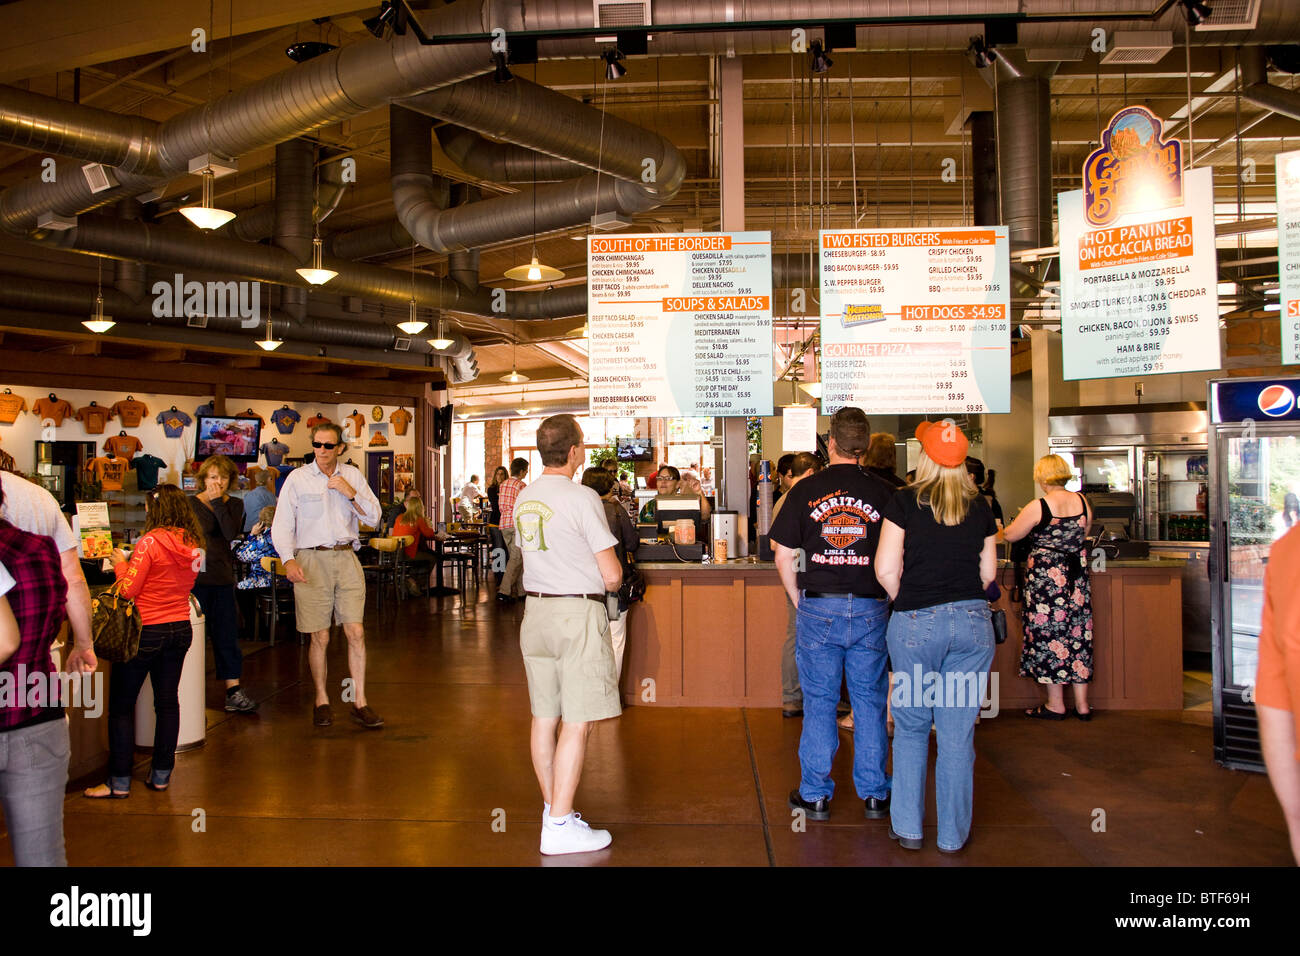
x=44, y=124
x=1256, y=89
x=1024, y=153
x=502, y=162
x=295, y=166
x=258, y=223
x=381, y=239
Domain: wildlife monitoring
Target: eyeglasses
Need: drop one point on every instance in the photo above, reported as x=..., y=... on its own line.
x=663, y=477
x=327, y=445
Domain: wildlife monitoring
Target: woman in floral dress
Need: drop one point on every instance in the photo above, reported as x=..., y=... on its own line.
x=1057, y=597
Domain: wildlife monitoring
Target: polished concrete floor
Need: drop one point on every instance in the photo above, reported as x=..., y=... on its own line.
x=448, y=781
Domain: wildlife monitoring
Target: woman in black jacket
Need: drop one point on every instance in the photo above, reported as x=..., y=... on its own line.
x=221, y=518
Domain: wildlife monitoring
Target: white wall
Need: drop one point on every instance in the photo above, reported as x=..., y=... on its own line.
x=1008, y=448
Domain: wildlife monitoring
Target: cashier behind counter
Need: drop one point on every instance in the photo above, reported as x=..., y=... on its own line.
x=669, y=482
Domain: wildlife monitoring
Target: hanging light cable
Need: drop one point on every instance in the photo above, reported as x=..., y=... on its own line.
x=269, y=344
x=534, y=271
x=413, y=323
x=99, y=323
x=206, y=215
x=316, y=273
x=514, y=378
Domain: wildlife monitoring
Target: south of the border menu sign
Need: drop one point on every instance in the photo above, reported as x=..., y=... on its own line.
x=1288, y=251
x=1139, y=275
x=680, y=325
x=916, y=320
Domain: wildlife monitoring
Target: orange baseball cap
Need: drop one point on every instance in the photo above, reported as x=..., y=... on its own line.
x=943, y=442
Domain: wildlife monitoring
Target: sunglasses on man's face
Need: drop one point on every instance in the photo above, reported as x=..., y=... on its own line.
x=327, y=445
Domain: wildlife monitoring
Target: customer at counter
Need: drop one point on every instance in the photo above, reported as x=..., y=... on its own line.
x=801, y=466
x=1058, y=601
x=881, y=459
x=937, y=554
x=604, y=484
x=829, y=526
x=669, y=481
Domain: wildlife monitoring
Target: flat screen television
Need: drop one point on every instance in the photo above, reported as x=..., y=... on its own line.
x=635, y=449
x=236, y=438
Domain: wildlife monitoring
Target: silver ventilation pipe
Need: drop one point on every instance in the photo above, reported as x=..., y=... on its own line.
x=381, y=239
x=1256, y=89
x=295, y=165
x=258, y=223
x=44, y=124
x=1024, y=151
x=464, y=366
x=552, y=206
x=551, y=123
x=128, y=276
x=502, y=162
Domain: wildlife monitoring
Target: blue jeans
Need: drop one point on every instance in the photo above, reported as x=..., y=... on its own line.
x=838, y=638
x=33, y=773
x=161, y=659
x=941, y=657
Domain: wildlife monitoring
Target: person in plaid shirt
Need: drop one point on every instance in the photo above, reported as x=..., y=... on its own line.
x=34, y=744
x=511, y=589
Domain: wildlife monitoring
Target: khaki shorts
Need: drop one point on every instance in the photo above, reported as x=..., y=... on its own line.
x=569, y=659
x=335, y=587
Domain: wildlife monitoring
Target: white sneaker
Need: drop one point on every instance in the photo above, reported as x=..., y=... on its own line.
x=572, y=836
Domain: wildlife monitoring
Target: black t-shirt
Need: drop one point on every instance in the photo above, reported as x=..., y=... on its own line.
x=834, y=516
x=941, y=563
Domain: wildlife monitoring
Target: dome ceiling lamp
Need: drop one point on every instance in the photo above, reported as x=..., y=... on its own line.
x=534, y=271
x=413, y=324
x=99, y=323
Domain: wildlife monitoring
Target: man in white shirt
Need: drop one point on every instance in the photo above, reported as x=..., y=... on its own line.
x=569, y=566
x=315, y=533
x=469, y=496
x=31, y=508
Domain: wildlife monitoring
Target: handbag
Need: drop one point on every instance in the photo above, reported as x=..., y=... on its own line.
x=998, y=618
x=633, y=587
x=115, y=626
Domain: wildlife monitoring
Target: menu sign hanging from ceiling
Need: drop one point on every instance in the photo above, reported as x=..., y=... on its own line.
x=680, y=325
x=1138, y=270
x=916, y=320
x=1288, y=251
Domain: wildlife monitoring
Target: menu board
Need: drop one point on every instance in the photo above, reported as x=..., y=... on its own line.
x=679, y=325
x=1139, y=279
x=1288, y=252
x=916, y=320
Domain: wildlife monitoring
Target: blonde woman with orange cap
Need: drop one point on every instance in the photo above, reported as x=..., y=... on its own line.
x=937, y=555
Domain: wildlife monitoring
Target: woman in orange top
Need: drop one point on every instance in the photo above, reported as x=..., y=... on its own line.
x=158, y=578
x=412, y=522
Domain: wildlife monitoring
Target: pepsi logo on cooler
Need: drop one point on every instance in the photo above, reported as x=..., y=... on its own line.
x=1276, y=401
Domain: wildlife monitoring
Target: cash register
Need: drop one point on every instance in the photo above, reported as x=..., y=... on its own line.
x=1112, y=524
x=656, y=539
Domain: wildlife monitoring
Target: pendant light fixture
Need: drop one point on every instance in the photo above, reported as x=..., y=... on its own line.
x=269, y=344
x=317, y=274
x=99, y=323
x=534, y=271
x=206, y=215
x=413, y=324
x=441, y=341
x=514, y=378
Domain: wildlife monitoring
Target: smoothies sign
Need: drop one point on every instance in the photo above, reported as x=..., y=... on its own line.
x=1138, y=267
x=680, y=325
x=1288, y=250
x=916, y=321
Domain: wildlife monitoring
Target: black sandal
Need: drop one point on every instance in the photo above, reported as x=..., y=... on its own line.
x=1084, y=715
x=1041, y=712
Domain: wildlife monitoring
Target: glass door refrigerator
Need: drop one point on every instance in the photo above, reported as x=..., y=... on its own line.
x=1254, y=467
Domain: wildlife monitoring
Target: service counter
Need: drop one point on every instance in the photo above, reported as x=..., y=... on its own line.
x=710, y=636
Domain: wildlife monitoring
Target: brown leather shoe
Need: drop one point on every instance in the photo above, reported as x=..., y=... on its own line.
x=322, y=716
x=367, y=718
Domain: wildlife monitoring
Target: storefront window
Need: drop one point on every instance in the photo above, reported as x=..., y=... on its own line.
x=688, y=444
x=597, y=433
x=467, y=450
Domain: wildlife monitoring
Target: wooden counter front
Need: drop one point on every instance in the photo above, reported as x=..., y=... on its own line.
x=711, y=636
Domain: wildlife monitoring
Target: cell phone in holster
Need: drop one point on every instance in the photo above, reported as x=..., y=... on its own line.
x=611, y=605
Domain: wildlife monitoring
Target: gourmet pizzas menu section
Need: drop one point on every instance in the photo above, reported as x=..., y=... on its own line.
x=1139, y=296
x=680, y=325
x=916, y=320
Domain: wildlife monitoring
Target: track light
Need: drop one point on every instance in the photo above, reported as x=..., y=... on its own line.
x=613, y=69
x=392, y=13
x=501, y=73
x=1196, y=11
x=981, y=52
x=308, y=50
x=821, y=61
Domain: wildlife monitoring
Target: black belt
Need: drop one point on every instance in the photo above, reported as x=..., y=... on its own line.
x=598, y=598
x=346, y=546
x=843, y=594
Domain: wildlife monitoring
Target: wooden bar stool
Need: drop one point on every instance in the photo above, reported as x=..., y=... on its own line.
x=272, y=599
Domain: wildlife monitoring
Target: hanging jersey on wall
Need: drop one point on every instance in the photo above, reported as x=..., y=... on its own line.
x=94, y=417
x=400, y=419
x=54, y=411
x=358, y=422
x=10, y=407
x=274, y=451
x=249, y=413
x=173, y=422
x=130, y=412
x=124, y=446
x=205, y=409
x=108, y=472
x=285, y=419
x=146, y=471
x=318, y=419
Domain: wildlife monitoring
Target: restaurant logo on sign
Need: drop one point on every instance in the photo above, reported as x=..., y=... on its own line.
x=1134, y=170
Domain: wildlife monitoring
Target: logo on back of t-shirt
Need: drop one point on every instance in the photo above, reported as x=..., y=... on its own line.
x=844, y=521
x=843, y=530
x=530, y=523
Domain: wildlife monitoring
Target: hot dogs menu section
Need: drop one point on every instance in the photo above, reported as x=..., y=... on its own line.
x=1288, y=251
x=680, y=325
x=916, y=320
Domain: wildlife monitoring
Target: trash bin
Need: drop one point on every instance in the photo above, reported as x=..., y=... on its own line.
x=192, y=692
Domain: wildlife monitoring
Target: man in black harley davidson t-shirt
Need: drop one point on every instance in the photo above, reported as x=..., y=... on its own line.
x=825, y=541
